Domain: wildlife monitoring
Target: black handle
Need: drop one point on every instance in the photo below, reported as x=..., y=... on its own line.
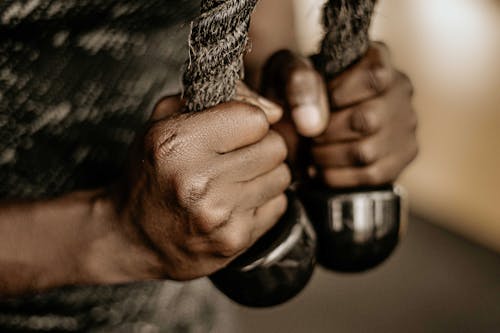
x=357, y=229
x=277, y=267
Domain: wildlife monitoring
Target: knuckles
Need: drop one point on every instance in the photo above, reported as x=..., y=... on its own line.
x=161, y=143
x=363, y=120
x=378, y=79
x=190, y=189
x=207, y=218
x=363, y=153
x=378, y=72
x=194, y=195
x=230, y=244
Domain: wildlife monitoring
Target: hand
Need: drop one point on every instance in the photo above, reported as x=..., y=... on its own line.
x=368, y=138
x=205, y=186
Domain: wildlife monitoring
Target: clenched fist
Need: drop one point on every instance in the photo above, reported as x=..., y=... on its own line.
x=362, y=122
x=205, y=186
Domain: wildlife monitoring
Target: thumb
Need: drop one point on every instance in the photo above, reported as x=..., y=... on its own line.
x=166, y=107
x=293, y=81
x=273, y=111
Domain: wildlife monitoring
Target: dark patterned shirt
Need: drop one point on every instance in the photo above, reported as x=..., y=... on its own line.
x=78, y=78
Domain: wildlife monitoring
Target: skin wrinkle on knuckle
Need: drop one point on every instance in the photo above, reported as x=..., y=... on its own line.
x=191, y=189
x=363, y=119
x=210, y=218
x=161, y=142
x=362, y=153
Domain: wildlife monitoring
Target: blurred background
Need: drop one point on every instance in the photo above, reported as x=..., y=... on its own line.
x=445, y=276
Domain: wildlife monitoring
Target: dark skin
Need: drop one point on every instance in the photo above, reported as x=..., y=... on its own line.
x=362, y=123
x=202, y=188
x=218, y=177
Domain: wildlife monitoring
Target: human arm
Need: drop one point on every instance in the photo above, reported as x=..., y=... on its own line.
x=177, y=215
x=62, y=241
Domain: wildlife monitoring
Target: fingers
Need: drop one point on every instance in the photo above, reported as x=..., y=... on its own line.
x=266, y=204
x=367, y=151
x=370, y=77
x=250, y=162
x=234, y=238
x=293, y=81
x=389, y=110
x=354, y=153
x=268, y=214
x=244, y=94
x=355, y=122
x=228, y=127
x=260, y=190
x=223, y=128
x=166, y=107
x=382, y=172
x=377, y=152
x=306, y=95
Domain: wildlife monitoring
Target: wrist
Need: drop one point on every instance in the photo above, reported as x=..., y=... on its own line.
x=117, y=251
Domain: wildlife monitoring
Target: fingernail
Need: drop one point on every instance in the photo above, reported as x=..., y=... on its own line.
x=270, y=106
x=307, y=118
x=267, y=103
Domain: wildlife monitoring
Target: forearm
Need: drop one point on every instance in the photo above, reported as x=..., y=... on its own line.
x=74, y=239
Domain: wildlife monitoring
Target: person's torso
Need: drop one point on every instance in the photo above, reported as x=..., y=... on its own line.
x=78, y=79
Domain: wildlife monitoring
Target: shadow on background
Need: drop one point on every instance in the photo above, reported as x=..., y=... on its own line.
x=435, y=282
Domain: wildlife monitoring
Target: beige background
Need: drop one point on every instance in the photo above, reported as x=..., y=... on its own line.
x=435, y=281
x=451, y=50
